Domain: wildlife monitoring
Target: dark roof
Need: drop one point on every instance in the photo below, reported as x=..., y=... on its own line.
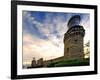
x=75, y=16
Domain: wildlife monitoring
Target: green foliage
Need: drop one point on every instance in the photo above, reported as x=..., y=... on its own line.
x=74, y=62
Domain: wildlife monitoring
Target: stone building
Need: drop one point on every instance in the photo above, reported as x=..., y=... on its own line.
x=40, y=62
x=73, y=39
x=33, y=63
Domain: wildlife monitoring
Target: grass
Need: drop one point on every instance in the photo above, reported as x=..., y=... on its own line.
x=74, y=62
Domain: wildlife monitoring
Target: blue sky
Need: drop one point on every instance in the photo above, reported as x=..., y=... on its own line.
x=43, y=33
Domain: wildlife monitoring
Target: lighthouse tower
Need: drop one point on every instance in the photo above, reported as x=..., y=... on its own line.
x=73, y=39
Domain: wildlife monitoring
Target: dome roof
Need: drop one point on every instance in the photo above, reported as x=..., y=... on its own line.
x=74, y=20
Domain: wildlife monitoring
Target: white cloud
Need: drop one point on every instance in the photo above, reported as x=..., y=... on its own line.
x=34, y=47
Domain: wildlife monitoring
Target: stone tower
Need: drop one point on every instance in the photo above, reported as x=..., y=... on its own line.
x=73, y=39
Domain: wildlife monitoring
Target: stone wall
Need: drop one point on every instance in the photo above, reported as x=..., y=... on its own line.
x=40, y=62
x=45, y=63
x=73, y=47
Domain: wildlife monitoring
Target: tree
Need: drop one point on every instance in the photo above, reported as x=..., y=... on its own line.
x=87, y=48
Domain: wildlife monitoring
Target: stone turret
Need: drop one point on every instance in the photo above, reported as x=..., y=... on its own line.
x=33, y=63
x=73, y=39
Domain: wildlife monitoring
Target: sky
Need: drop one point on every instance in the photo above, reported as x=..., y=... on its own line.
x=43, y=33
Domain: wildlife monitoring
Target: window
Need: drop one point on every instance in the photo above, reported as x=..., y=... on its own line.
x=75, y=40
x=67, y=50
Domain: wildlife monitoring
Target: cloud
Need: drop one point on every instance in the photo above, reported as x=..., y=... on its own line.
x=34, y=47
x=51, y=28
